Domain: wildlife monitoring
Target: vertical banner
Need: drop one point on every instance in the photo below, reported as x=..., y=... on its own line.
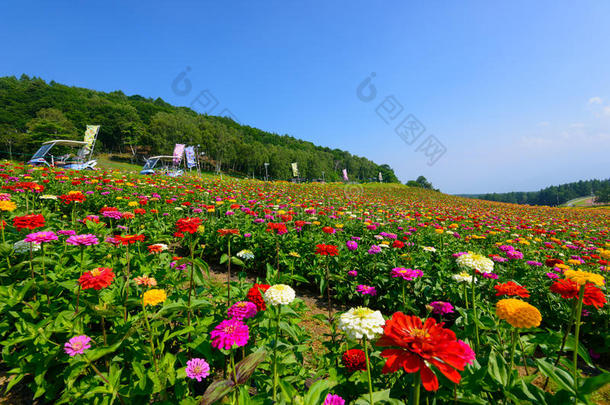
x=189, y=152
x=90, y=135
x=295, y=169
x=178, y=152
x=345, y=175
x=380, y=177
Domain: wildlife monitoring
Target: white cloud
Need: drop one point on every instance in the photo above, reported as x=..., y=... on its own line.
x=595, y=100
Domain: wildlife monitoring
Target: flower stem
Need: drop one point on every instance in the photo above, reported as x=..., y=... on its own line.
x=474, y=308
x=416, y=389
x=563, y=342
x=581, y=294
x=277, y=334
x=513, y=344
x=368, y=370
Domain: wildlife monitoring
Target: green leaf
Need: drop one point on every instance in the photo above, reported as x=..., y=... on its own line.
x=497, y=368
x=224, y=258
x=592, y=384
x=237, y=261
x=216, y=391
x=246, y=367
x=559, y=376
x=318, y=391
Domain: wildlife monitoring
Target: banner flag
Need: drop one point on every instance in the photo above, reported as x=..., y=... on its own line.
x=345, y=175
x=178, y=152
x=90, y=135
x=190, y=157
x=295, y=169
x=380, y=177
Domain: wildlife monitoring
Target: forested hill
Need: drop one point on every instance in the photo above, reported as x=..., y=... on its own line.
x=33, y=111
x=553, y=195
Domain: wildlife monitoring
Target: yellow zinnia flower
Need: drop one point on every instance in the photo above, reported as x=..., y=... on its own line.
x=7, y=206
x=583, y=277
x=154, y=297
x=517, y=313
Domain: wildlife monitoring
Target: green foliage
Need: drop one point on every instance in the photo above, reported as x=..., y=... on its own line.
x=34, y=111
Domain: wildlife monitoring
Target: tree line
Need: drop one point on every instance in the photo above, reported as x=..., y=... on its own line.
x=34, y=111
x=554, y=195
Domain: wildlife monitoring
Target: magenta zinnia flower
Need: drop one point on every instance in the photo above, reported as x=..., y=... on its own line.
x=67, y=232
x=441, y=307
x=82, y=240
x=242, y=310
x=406, y=274
x=230, y=333
x=40, y=237
x=366, y=290
x=332, y=399
x=77, y=345
x=374, y=250
x=197, y=369
x=351, y=245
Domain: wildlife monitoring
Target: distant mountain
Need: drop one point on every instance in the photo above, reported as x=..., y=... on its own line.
x=33, y=111
x=553, y=195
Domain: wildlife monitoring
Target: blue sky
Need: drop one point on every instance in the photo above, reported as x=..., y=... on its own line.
x=517, y=93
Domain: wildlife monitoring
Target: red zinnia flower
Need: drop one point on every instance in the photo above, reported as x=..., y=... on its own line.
x=327, y=250
x=225, y=232
x=73, y=197
x=31, y=221
x=254, y=295
x=129, y=239
x=398, y=244
x=553, y=262
x=510, y=289
x=97, y=279
x=189, y=225
x=418, y=344
x=569, y=289
x=354, y=360
x=279, y=228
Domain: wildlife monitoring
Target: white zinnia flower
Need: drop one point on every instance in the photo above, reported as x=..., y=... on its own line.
x=245, y=254
x=476, y=261
x=463, y=277
x=361, y=321
x=279, y=294
x=23, y=247
x=429, y=248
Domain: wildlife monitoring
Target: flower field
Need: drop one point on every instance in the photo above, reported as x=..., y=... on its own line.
x=107, y=293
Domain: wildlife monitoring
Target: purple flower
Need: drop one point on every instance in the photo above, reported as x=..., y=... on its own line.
x=533, y=263
x=374, y=250
x=40, y=237
x=351, y=245
x=197, y=369
x=366, y=290
x=77, y=345
x=82, y=240
x=514, y=255
x=352, y=273
x=242, y=310
x=490, y=275
x=67, y=232
x=332, y=399
x=112, y=214
x=441, y=307
x=406, y=274
x=552, y=275
x=506, y=248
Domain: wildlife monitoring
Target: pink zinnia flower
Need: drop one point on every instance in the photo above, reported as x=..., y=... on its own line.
x=552, y=275
x=112, y=214
x=406, y=274
x=352, y=273
x=332, y=399
x=230, y=333
x=242, y=310
x=351, y=245
x=514, y=255
x=197, y=369
x=374, y=250
x=82, y=240
x=468, y=353
x=77, y=345
x=67, y=232
x=366, y=290
x=40, y=237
